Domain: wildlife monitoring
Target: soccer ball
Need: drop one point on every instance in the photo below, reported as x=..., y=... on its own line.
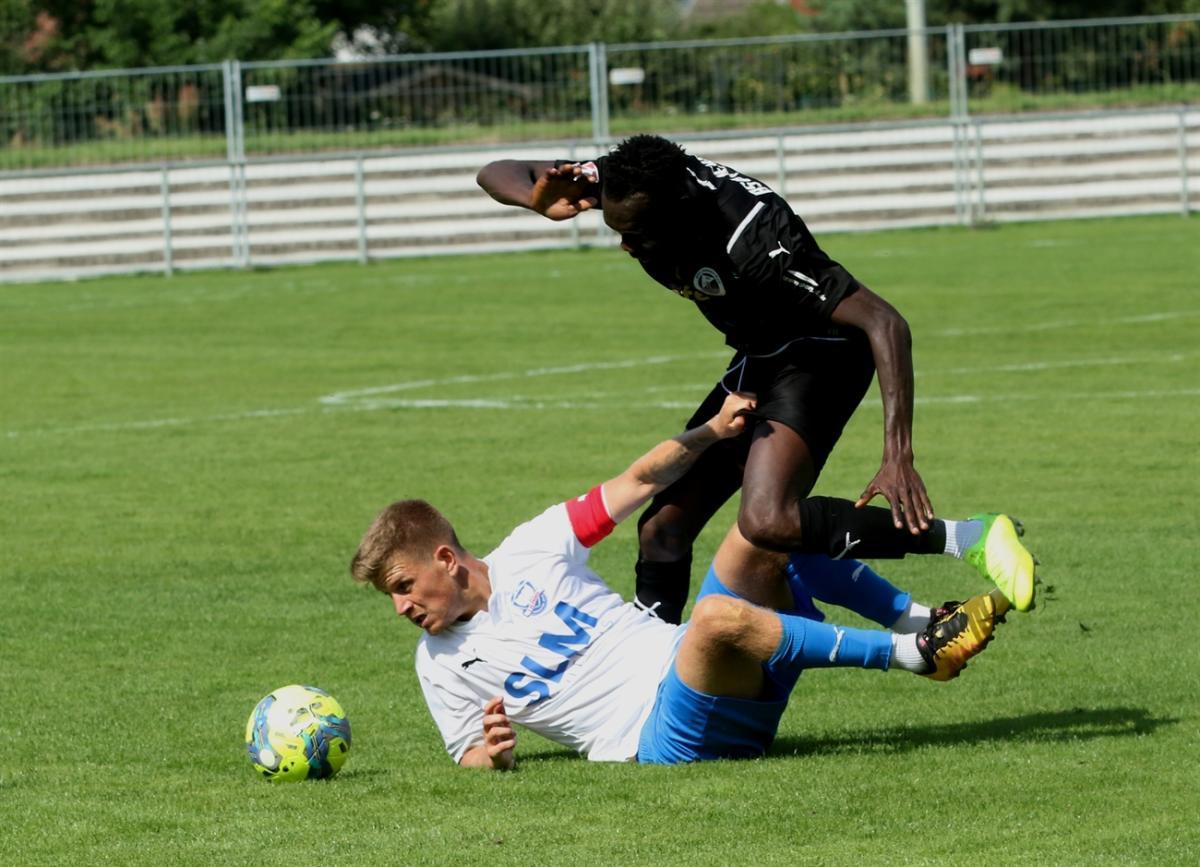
x=298, y=733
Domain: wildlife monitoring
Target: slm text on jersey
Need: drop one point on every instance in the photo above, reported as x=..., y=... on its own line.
x=534, y=679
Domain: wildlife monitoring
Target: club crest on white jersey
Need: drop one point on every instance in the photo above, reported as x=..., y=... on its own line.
x=529, y=600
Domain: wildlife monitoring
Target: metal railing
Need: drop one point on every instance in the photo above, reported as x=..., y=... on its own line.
x=272, y=210
x=238, y=110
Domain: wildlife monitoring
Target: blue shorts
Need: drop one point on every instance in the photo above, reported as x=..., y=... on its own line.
x=687, y=725
x=690, y=726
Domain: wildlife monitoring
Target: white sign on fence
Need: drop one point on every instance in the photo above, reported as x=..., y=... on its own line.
x=985, y=56
x=263, y=93
x=626, y=75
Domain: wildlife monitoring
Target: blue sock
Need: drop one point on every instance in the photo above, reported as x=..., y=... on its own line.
x=808, y=644
x=850, y=584
x=802, y=600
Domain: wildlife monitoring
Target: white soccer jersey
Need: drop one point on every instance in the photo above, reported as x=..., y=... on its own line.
x=571, y=660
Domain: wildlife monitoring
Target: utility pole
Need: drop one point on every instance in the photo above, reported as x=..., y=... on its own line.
x=918, y=53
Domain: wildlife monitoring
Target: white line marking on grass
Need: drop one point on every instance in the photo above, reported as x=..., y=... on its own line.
x=536, y=404
x=1059, y=365
x=1065, y=323
x=1079, y=395
x=353, y=400
x=151, y=424
x=356, y=395
x=372, y=399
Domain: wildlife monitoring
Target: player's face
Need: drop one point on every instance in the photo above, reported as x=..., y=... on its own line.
x=648, y=233
x=425, y=592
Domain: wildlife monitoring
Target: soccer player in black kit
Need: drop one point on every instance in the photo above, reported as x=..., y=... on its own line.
x=807, y=338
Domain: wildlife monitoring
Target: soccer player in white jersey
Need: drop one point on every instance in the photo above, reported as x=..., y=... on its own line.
x=530, y=634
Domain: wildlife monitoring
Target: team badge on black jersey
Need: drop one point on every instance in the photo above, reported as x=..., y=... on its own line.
x=708, y=282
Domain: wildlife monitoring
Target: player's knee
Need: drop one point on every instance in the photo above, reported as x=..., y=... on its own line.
x=768, y=526
x=664, y=540
x=722, y=620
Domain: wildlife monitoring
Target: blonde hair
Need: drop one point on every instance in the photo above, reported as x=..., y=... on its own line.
x=410, y=527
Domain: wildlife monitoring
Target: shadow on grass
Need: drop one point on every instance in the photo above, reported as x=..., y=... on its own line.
x=549, y=754
x=1074, y=724
x=1056, y=726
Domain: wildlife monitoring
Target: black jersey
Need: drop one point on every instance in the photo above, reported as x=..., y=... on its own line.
x=751, y=265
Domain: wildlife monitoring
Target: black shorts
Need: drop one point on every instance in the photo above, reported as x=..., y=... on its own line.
x=813, y=386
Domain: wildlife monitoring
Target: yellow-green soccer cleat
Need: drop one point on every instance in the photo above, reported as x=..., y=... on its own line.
x=950, y=640
x=1002, y=559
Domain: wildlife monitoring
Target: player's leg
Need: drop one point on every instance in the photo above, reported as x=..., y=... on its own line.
x=806, y=396
x=738, y=650
x=836, y=528
x=805, y=399
x=734, y=646
x=732, y=628
x=727, y=634
x=856, y=586
x=670, y=524
x=737, y=664
x=729, y=640
x=751, y=573
x=792, y=583
x=777, y=514
x=721, y=698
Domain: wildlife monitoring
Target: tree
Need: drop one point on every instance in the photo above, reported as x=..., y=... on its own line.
x=55, y=35
x=20, y=36
x=396, y=25
x=764, y=18
x=462, y=25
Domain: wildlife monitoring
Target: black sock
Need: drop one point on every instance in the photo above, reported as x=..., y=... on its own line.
x=835, y=527
x=663, y=587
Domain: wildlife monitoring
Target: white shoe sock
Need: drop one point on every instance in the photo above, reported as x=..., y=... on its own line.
x=961, y=535
x=905, y=654
x=914, y=618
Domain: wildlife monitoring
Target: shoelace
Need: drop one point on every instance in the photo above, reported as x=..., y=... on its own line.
x=652, y=610
x=943, y=611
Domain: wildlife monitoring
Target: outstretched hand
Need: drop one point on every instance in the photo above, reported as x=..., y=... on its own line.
x=901, y=485
x=565, y=192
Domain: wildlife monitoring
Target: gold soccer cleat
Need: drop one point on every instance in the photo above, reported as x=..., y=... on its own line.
x=949, y=641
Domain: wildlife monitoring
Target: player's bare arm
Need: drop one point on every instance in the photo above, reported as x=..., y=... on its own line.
x=669, y=460
x=499, y=740
x=891, y=344
x=558, y=193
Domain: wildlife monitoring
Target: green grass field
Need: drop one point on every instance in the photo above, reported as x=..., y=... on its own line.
x=188, y=463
